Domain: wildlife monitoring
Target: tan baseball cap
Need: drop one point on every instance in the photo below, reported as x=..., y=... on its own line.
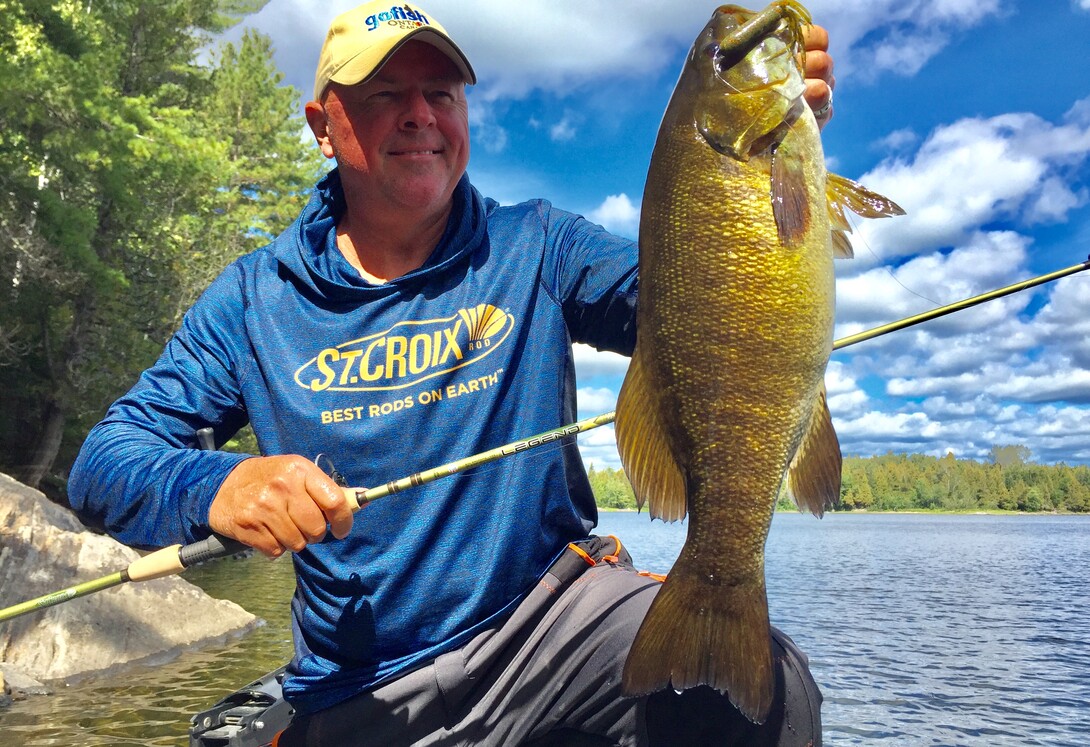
x=361, y=40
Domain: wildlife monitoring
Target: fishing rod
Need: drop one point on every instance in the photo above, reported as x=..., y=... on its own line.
x=176, y=558
x=959, y=305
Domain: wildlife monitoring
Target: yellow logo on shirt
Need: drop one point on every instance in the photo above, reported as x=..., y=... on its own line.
x=408, y=353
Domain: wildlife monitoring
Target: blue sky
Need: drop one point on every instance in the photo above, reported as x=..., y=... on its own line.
x=974, y=115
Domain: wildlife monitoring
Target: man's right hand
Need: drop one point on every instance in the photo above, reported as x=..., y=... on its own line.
x=279, y=503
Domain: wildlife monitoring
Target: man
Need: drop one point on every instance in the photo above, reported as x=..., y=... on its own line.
x=404, y=320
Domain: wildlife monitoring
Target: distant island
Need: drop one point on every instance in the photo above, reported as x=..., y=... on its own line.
x=1008, y=481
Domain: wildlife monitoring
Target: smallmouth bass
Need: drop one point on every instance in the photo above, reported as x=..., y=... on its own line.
x=724, y=400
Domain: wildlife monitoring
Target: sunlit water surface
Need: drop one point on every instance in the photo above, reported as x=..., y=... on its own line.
x=921, y=630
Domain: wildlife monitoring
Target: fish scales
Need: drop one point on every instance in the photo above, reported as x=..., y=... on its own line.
x=735, y=325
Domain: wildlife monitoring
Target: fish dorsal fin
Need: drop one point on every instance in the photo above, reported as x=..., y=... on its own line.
x=813, y=479
x=843, y=194
x=790, y=199
x=656, y=478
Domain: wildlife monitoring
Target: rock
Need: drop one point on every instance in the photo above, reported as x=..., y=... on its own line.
x=18, y=685
x=44, y=548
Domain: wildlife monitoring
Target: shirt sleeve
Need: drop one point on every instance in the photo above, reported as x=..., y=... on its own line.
x=595, y=277
x=138, y=474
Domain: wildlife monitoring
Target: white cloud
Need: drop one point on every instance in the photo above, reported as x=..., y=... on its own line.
x=563, y=130
x=881, y=295
x=590, y=363
x=870, y=37
x=897, y=140
x=618, y=214
x=1053, y=382
x=485, y=127
x=1064, y=322
x=599, y=448
x=562, y=45
x=894, y=428
x=1079, y=113
x=596, y=400
x=1014, y=167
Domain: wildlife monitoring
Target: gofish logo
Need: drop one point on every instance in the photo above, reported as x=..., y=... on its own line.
x=408, y=352
x=403, y=16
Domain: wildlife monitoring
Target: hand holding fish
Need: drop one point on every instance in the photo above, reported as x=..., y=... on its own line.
x=818, y=73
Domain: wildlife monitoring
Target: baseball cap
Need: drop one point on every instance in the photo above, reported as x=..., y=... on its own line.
x=361, y=40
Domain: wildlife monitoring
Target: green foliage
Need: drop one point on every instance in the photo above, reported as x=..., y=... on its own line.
x=131, y=171
x=900, y=482
x=611, y=488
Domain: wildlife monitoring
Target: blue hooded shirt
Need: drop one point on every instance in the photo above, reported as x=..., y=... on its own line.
x=468, y=352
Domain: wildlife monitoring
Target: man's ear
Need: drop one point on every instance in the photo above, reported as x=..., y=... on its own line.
x=319, y=125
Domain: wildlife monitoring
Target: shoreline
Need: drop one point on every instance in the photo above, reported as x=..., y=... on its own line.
x=919, y=511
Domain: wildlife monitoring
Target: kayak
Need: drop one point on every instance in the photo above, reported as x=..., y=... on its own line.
x=249, y=717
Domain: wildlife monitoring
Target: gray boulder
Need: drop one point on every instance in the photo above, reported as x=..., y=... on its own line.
x=44, y=548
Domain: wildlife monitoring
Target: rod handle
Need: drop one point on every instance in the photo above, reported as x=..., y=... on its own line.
x=209, y=549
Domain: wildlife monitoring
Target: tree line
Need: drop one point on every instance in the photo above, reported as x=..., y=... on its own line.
x=137, y=159
x=1007, y=481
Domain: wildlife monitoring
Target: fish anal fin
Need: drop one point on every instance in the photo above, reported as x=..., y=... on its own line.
x=656, y=478
x=790, y=198
x=813, y=479
x=842, y=246
x=698, y=634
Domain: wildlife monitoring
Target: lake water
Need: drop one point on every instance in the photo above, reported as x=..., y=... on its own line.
x=921, y=630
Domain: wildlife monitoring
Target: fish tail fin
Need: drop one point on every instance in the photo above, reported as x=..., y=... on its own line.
x=641, y=442
x=843, y=194
x=813, y=479
x=695, y=636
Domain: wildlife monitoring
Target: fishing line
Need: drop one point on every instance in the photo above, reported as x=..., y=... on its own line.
x=885, y=266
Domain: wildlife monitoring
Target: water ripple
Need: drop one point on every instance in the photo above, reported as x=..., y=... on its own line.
x=921, y=630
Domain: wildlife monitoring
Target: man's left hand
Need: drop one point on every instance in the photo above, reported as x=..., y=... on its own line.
x=818, y=72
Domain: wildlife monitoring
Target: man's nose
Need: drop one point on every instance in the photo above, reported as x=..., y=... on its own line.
x=418, y=113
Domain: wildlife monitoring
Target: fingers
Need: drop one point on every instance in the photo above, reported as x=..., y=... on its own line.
x=818, y=71
x=819, y=96
x=815, y=38
x=329, y=497
x=276, y=504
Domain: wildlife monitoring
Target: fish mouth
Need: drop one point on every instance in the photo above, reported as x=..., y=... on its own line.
x=736, y=32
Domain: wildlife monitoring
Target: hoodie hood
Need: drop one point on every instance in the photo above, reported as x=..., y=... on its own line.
x=308, y=249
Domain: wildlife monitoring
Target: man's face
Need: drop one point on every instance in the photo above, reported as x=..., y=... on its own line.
x=401, y=139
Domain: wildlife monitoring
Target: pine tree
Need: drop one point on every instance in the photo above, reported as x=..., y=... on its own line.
x=118, y=148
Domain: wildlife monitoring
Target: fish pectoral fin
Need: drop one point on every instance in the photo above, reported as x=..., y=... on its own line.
x=860, y=200
x=813, y=479
x=790, y=198
x=843, y=194
x=641, y=441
